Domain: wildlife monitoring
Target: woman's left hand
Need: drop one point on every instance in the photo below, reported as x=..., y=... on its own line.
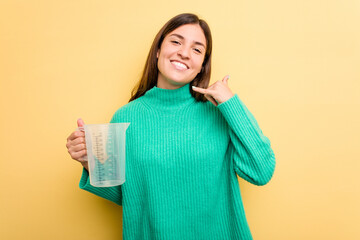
x=217, y=93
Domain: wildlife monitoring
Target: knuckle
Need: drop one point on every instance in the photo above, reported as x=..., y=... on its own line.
x=69, y=137
x=79, y=134
x=76, y=156
x=80, y=147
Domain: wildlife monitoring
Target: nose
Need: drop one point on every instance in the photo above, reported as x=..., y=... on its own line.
x=184, y=52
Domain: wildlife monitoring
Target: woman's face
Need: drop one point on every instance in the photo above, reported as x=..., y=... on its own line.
x=181, y=56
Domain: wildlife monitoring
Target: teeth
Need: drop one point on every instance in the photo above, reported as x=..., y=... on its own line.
x=179, y=65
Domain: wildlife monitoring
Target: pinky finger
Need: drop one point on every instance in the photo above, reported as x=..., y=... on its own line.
x=78, y=156
x=84, y=157
x=200, y=90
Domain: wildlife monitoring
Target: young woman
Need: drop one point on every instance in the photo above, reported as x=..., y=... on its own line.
x=185, y=146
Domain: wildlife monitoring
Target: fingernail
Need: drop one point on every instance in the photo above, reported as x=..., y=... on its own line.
x=193, y=87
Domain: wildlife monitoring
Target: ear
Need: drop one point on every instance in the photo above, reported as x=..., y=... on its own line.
x=157, y=53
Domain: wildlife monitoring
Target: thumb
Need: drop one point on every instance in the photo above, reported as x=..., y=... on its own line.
x=80, y=122
x=225, y=79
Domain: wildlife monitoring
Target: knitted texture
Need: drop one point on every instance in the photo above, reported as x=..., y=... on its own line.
x=182, y=158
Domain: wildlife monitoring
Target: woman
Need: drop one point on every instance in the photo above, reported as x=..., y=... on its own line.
x=183, y=152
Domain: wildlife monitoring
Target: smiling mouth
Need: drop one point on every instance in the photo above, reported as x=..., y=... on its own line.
x=179, y=65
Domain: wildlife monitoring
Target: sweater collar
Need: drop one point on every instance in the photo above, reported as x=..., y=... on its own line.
x=167, y=98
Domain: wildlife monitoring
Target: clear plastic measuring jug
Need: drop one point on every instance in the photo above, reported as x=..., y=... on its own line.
x=105, y=145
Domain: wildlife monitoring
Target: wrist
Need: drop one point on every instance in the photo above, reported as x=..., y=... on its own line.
x=85, y=165
x=226, y=98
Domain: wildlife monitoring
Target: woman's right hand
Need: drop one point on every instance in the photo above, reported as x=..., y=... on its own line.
x=76, y=145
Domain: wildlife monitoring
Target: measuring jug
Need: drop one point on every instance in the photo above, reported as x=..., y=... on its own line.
x=105, y=145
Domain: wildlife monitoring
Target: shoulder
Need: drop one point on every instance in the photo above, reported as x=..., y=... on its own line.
x=127, y=111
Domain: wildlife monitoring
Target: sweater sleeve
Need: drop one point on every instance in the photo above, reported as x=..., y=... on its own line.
x=253, y=158
x=110, y=193
x=113, y=194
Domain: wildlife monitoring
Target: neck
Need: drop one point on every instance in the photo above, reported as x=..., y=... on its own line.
x=169, y=98
x=161, y=83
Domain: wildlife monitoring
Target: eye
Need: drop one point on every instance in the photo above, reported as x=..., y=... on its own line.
x=175, y=42
x=197, y=50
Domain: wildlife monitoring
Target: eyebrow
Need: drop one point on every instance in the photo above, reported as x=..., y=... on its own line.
x=182, y=38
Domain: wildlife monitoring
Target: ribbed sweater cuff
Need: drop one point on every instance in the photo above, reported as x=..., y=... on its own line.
x=85, y=180
x=110, y=193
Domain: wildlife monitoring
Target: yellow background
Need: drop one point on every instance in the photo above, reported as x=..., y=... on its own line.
x=295, y=64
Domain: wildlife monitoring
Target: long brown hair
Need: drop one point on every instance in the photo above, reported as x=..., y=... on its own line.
x=150, y=73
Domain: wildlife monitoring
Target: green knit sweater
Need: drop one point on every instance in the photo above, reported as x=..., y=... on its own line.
x=182, y=157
